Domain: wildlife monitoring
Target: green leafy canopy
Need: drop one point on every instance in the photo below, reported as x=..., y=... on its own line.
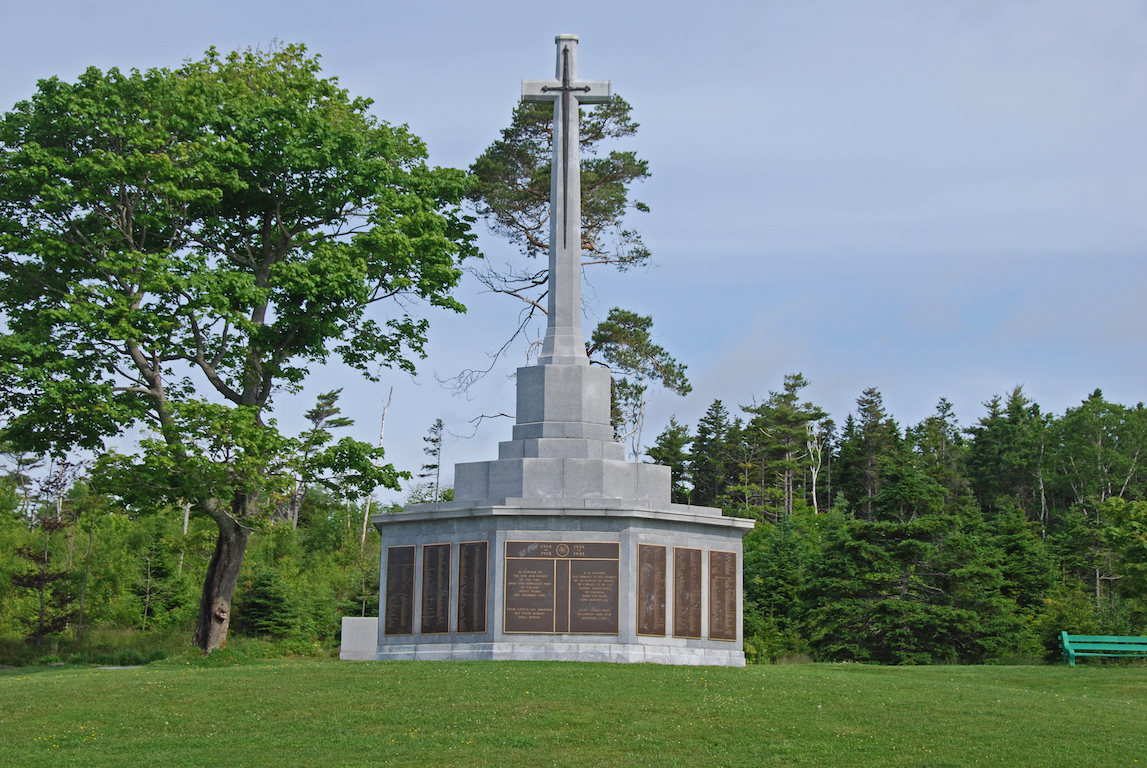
x=233, y=220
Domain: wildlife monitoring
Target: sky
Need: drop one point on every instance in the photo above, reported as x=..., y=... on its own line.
x=941, y=199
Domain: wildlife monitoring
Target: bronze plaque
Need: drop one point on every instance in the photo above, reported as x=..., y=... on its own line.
x=473, y=568
x=686, y=592
x=593, y=597
x=722, y=595
x=650, y=590
x=603, y=550
x=530, y=596
x=562, y=587
x=399, y=618
x=435, y=589
x=562, y=596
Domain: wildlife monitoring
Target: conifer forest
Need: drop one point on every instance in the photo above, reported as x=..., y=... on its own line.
x=935, y=542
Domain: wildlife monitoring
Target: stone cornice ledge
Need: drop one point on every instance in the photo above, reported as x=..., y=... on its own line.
x=679, y=513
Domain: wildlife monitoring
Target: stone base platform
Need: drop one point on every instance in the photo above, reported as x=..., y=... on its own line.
x=560, y=650
x=556, y=580
x=360, y=643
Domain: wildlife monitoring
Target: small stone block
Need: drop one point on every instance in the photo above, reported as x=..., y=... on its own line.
x=653, y=483
x=472, y=481
x=541, y=478
x=359, y=638
x=511, y=449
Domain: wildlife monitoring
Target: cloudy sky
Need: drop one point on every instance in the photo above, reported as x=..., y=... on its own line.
x=941, y=199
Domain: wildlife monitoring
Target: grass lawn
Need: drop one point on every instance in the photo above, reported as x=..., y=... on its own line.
x=330, y=713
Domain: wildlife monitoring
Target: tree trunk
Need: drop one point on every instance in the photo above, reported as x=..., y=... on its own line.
x=146, y=595
x=84, y=586
x=365, y=523
x=219, y=584
x=828, y=479
x=370, y=499
x=183, y=544
x=44, y=587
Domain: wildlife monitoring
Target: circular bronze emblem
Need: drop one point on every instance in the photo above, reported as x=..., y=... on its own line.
x=563, y=550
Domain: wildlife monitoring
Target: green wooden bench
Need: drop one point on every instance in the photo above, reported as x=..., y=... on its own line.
x=1101, y=645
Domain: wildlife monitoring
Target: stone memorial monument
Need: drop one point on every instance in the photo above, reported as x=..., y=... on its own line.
x=560, y=549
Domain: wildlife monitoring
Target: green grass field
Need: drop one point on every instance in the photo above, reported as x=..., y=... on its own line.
x=329, y=713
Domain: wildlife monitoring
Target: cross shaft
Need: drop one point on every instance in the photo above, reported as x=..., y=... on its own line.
x=564, y=343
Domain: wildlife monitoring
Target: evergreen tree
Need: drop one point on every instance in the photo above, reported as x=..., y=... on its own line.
x=48, y=582
x=913, y=592
x=1006, y=458
x=1026, y=568
x=669, y=449
x=267, y=604
x=710, y=463
x=433, y=469
x=624, y=342
x=942, y=451
x=775, y=558
x=914, y=580
x=867, y=440
x=784, y=433
x=323, y=418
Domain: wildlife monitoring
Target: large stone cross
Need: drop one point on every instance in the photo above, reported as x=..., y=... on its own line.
x=564, y=343
x=563, y=447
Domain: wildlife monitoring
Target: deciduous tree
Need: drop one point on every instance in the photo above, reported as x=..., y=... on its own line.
x=178, y=246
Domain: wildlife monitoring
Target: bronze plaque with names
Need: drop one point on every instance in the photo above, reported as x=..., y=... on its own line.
x=473, y=568
x=651, y=590
x=593, y=597
x=399, y=619
x=559, y=587
x=435, y=589
x=686, y=592
x=529, y=596
x=722, y=595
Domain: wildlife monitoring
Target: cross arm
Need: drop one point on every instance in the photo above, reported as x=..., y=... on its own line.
x=540, y=90
x=596, y=91
x=585, y=91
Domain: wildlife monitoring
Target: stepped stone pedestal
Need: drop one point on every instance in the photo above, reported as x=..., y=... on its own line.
x=559, y=549
x=563, y=446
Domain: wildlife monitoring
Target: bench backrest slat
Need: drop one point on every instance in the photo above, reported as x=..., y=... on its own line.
x=1101, y=645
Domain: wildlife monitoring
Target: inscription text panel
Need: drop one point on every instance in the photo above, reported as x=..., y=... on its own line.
x=593, y=597
x=559, y=587
x=686, y=592
x=435, y=589
x=530, y=596
x=651, y=590
x=399, y=619
x=473, y=568
x=722, y=595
